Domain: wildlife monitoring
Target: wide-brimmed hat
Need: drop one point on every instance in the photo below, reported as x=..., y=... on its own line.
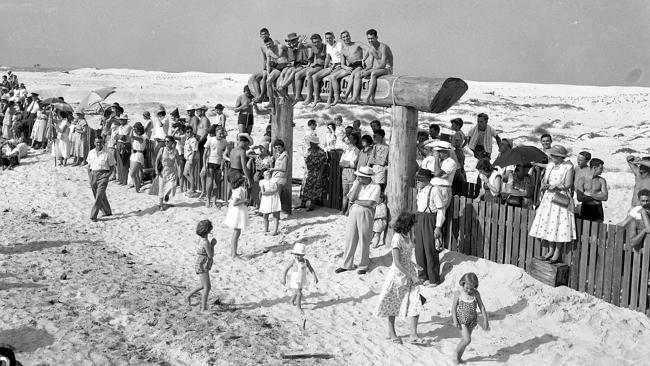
x=299, y=249
x=160, y=109
x=246, y=136
x=202, y=107
x=117, y=107
x=442, y=146
x=558, y=150
x=291, y=36
x=190, y=107
x=423, y=174
x=313, y=138
x=364, y=171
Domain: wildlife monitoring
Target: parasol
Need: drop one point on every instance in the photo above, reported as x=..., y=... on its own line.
x=57, y=103
x=96, y=96
x=521, y=155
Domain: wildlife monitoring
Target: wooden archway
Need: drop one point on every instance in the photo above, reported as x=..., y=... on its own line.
x=406, y=95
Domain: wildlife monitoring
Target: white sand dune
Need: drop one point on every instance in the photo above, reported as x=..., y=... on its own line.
x=532, y=324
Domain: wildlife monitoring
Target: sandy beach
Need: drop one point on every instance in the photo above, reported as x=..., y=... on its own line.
x=112, y=292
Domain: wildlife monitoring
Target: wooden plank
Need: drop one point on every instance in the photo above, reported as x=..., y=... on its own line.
x=523, y=236
x=617, y=266
x=593, y=250
x=477, y=232
x=452, y=228
x=574, y=270
x=600, y=259
x=497, y=231
x=462, y=229
x=516, y=226
x=610, y=243
x=530, y=241
x=487, y=225
x=508, y=217
x=584, y=256
x=636, y=275
x=626, y=283
x=645, y=267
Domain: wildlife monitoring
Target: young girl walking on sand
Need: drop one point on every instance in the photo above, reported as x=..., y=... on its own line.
x=205, y=255
x=463, y=311
x=298, y=277
x=270, y=202
x=237, y=215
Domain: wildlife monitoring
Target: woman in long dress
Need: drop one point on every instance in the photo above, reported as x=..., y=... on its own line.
x=7, y=133
x=554, y=219
x=314, y=188
x=400, y=294
x=79, y=130
x=62, y=147
x=167, y=178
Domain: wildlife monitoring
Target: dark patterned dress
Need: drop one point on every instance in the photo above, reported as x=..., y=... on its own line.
x=314, y=185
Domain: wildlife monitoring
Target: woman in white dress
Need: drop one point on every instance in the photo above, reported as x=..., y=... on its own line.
x=62, y=146
x=554, y=219
x=167, y=157
x=39, y=129
x=400, y=294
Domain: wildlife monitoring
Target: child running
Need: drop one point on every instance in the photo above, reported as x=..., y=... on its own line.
x=205, y=254
x=237, y=215
x=298, y=278
x=463, y=311
x=270, y=202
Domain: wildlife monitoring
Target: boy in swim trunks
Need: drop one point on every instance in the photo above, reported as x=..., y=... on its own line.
x=277, y=59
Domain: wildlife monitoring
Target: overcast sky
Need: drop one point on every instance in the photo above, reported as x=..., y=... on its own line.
x=596, y=42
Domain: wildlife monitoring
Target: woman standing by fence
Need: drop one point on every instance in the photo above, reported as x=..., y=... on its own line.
x=554, y=219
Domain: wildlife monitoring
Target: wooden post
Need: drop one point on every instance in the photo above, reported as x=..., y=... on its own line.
x=401, y=157
x=282, y=128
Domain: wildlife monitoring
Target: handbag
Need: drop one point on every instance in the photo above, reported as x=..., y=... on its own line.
x=561, y=199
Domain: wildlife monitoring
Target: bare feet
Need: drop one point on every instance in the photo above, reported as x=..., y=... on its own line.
x=189, y=301
x=333, y=103
x=307, y=101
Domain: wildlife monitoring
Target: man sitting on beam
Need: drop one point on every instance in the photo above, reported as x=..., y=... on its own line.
x=351, y=61
x=277, y=59
x=380, y=64
x=332, y=64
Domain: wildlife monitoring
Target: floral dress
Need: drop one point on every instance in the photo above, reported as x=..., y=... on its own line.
x=399, y=297
x=553, y=222
x=314, y=188
x=168, y=177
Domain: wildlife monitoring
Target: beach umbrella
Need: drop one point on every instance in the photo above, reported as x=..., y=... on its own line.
x=521, y=155
x=58, y=104
x=96, y=96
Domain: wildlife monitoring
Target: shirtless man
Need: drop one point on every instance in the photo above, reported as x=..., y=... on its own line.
x=258, y=80
x=332, y=63
x=582, y=171
x=380, y=63
x=351, y=62
x=641, y=169
x=277, y=59
x=237, y=158
x=316, y=55
x=592, y=192
x=244, y=106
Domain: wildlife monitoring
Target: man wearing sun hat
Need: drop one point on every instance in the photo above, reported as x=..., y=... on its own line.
x=364, y=196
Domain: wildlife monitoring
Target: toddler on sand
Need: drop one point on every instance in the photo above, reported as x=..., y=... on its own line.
x=299, y=266
x=204, y=257
x=463, y=311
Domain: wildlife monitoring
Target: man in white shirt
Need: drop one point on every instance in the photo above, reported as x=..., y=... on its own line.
x=101, y=163
x=431, y=206
x=364, y=196
x=332, y=64
x=348, y=164
x=191, y=153
x=160, y=127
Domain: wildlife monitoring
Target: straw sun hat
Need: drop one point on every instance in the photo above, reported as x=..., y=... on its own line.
x=299, y=249
x=365, y=171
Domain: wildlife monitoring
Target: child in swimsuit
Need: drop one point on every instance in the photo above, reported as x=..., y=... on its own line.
x=463, y=311
x=298, y=277
x=204, y=257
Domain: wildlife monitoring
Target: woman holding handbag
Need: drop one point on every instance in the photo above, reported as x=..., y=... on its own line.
x=554, y=220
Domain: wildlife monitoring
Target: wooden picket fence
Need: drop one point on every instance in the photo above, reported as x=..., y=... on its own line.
x=600, y=263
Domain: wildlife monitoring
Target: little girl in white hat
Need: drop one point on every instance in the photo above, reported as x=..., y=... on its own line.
x=298, y=277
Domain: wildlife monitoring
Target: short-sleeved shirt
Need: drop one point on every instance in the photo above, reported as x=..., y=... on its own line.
x=448, y=166
x=191, y=146
x=100, y=161
x=369, y=192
